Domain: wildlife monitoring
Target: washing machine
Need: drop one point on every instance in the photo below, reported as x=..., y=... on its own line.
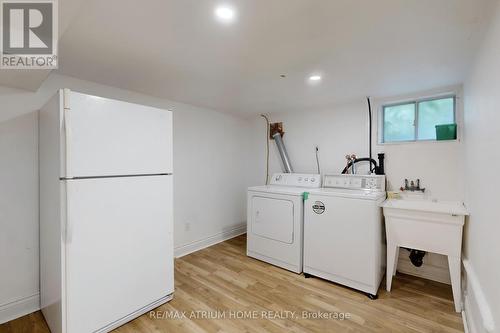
x=275, y=216
x=344, y=233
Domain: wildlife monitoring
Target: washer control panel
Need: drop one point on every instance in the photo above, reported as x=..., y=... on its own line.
x=296, y=180
x=355, y=182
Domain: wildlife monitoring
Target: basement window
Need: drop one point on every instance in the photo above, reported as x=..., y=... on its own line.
x=416, y=120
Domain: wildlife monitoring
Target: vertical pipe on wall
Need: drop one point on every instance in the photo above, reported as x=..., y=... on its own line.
x=284, y=155
x=370, y=129
x=267, y=147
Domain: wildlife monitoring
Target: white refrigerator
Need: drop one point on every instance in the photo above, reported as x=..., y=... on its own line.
x=106, y=215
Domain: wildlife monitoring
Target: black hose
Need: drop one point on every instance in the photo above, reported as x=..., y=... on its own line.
x=370, y=123
x=317, y=160
x=363, y=159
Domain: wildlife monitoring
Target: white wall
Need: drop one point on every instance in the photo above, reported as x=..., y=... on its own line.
x=482, y=145
x=18, y=215
x=344, y=129
x=336, y=132
x=210, y=154
x=438, y=164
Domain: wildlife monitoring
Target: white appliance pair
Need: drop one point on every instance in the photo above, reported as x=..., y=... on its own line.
x=106, y=214
x=334, y=232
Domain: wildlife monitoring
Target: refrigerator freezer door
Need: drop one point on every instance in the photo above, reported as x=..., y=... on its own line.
x=105, y=137
x=119, y=248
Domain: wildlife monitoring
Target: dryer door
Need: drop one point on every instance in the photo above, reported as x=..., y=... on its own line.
x=273, y=218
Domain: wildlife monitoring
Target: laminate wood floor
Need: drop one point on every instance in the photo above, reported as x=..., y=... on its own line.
x=220, y=289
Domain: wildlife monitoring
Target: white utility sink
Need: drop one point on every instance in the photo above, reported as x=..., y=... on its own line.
x=427, y=225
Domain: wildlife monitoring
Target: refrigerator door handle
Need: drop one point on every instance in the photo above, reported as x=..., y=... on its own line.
x=67, y=133
x=69, y=226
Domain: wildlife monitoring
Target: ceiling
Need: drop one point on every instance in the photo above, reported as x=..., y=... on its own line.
x=175, y=49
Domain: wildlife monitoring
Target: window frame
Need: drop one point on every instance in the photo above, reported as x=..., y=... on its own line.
x=416, y=102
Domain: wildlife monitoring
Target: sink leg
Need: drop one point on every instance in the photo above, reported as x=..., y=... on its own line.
x=455, y=267
x=396, y=261
x=391, y=263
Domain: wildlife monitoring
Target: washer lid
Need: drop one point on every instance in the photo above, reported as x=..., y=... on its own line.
x=346, y=193
x=276, y=189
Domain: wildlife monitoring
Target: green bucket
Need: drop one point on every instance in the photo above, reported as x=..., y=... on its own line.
x=446, y=132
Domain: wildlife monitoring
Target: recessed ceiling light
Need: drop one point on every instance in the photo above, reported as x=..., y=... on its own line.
x=225, y=14
x=315, y=78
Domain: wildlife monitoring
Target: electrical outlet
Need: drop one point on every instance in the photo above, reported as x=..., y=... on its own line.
x=187, y=226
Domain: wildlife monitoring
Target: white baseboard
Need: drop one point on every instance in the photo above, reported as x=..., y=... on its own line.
x=186, y=249
x=135, y=314
x=19, y=308
x=478, y=315
x=435, y=267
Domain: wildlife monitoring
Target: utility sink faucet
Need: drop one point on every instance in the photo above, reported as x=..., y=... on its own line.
x=412, y=187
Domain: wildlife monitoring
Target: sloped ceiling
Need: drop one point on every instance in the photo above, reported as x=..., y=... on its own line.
x=175, y=49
